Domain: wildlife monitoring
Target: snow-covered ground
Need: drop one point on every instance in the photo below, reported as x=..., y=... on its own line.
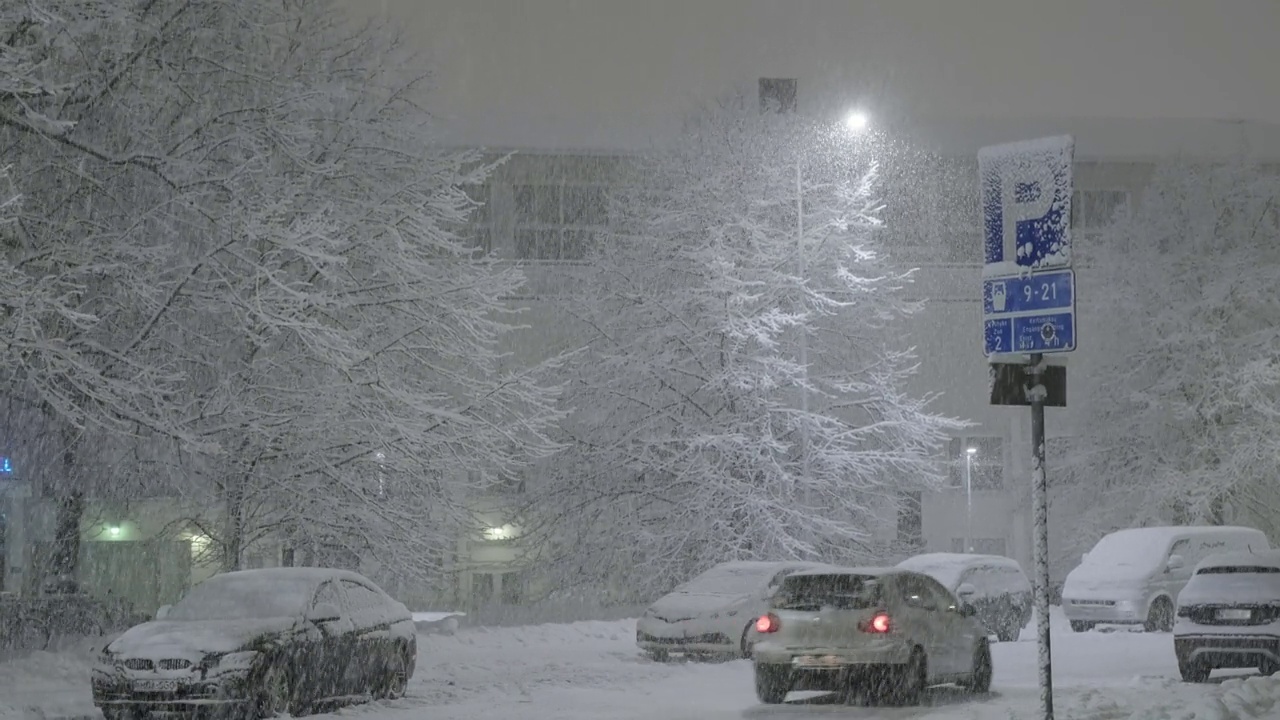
x=591, y=670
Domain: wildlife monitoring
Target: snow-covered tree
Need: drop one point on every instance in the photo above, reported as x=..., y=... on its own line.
x=1180, y=422
x=258, y=232
x=699, y=434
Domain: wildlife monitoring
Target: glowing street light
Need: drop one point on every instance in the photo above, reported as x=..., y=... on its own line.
x=857, y=121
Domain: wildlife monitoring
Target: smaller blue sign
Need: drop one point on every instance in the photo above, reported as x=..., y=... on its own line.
x=1033, y=293
x=1050, y=333
x=6, y=467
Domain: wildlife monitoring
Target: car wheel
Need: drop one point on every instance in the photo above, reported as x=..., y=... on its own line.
x=772, y=683
x=911, y=680
x=1160, y=616
x=275, y=692
x=980, y=674
x=395, y=683
x=1081, y=626
x=1194, y=671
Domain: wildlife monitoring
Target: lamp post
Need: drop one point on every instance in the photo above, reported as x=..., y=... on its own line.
x=968, y=498
x=855, y=122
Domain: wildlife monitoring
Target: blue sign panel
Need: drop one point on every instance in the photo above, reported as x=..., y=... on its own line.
x=1050, y=333
x=1029, y=293
x=6, y=467
x=1026, y=203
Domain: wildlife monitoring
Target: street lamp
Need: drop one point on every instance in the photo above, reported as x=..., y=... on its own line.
x=856, y=121
x=968, y=497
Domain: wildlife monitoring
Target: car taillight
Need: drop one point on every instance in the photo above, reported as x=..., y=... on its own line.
x=768, y=623
x=879, y=623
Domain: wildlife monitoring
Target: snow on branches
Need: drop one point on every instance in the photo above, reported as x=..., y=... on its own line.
x=699, y=434
x=1181, y=419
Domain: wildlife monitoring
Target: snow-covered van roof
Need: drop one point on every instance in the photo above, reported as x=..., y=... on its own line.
x=1168, y=531
x=1262, y=558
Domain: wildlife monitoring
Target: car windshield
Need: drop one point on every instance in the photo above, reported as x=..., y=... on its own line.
x=814, y=592
x=239, y=597
x=1128, y=550
x=729, y=580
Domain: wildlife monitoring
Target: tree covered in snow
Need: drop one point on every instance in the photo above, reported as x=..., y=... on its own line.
x=1180, y=420
x=246, y=239
x=698, y=433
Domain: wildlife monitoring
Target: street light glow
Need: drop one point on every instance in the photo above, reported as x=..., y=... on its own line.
x=972, y=451
x=857, y=121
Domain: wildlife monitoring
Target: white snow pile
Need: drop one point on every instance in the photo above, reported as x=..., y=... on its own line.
x=1251, y=698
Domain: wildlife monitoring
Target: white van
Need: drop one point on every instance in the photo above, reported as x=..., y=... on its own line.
x=1133, y=576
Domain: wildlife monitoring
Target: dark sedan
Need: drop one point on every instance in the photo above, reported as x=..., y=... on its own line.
x=260, y=643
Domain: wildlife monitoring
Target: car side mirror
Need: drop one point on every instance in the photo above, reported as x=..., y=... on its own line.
x=325, y=612
x=1175, y=562
x=163, y=612
x=966, y=590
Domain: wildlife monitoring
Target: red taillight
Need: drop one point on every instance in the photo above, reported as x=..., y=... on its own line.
x=879, y=623
x=768, y=623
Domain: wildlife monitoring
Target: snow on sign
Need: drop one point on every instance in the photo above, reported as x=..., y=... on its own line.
x=1028, y=287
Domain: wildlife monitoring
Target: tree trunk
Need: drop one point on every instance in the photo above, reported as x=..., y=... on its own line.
x=233, y=535
x=64, y=561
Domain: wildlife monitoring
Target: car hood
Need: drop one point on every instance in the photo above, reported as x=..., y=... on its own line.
x=1104, y=578
x=173, y=638
x=685, y=606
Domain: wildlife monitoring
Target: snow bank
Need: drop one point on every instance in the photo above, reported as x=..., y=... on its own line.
x=46, y=684
x=1252, y=698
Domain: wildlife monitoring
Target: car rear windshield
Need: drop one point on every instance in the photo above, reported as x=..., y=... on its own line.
x=814, y=592
x=1230, y=569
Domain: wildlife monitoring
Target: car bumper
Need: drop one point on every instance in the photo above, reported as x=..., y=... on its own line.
x=1118, y=614
x=189, y=697
x=884, y=652
x=1227, y=651
x=677, y=641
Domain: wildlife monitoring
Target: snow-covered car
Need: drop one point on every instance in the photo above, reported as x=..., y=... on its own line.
x=1134, y=576
x=887, y=632
x=994, y=585
x=713, y=614
x=262, y=642
x=1229, y=615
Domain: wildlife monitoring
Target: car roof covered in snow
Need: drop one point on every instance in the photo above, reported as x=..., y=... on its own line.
x=1262, y=558
x=1165, y=531
x=838, y=570
x=316, y=575
x=922, y=562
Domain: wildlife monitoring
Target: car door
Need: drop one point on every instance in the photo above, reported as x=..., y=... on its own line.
x=372, y=633
x=957, y=633
x=924, y=617
x=331, y=663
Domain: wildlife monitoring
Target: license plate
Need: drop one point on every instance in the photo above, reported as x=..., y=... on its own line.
x=1234, y=614
x=156, y=685
x=820, y=661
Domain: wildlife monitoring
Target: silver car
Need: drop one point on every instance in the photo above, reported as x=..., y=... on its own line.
x=888, y=632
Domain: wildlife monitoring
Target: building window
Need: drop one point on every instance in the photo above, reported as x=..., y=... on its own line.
x=910, y=520
x=981, y=546
x=513, y=588
x=778, y=95
x=558, y=222
x=981, y=458
x=477, y=231
x=1092, y=211
x=482, y=588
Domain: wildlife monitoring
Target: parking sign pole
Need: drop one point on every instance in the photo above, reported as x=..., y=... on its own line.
x=1040, y=511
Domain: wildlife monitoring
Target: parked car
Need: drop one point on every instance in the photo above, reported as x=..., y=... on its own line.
x=889, y=631
x=715, y=612
x=995, y=586
x=1229, y=615
x=1133, y=576
x=265, y=642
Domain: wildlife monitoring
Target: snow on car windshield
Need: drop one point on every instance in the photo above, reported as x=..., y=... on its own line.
x=237, y=597
x=728, y=580
x=1128, y=549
